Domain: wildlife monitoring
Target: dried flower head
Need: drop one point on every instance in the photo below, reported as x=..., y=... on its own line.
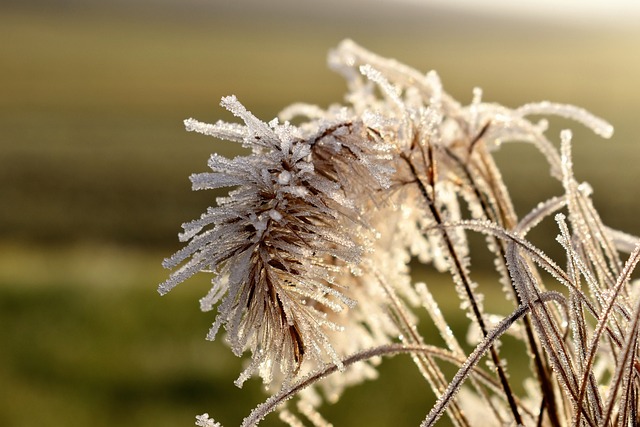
x=276, y=244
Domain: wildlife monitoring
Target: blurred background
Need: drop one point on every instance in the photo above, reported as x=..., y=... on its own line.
x=94, y=166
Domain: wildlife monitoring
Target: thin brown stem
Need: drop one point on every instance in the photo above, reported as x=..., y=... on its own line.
x=460, y=271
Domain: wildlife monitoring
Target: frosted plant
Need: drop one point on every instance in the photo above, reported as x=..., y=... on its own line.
x=310, y=252
x=276, y=244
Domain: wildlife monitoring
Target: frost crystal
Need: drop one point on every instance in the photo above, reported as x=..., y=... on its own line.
x=204, y=421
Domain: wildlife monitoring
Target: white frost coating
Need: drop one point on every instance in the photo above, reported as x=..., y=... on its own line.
x=473, y=108
x=624, y=242
x=477, y=96
x=275, y=215
x=222, y=130
x=298, y=191
x=585, y=189
x=596, y=124
x=377, y=77
x=204, y=421
x=258, y=128
x=432, y=79
x=284, y=178
x=210, y=181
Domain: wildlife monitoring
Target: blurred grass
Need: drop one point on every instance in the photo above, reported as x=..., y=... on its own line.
x=91, y=114
x=93, y=181
x=87, y=341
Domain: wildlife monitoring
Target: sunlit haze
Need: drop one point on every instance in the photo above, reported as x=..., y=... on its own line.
x=626, y=12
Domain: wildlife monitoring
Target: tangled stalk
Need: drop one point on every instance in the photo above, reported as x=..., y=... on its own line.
x=310, y=251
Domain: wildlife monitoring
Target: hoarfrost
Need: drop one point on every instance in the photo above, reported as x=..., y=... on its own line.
x=311, y=249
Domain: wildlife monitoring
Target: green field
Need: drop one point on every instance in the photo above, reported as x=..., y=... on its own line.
x=88, y=341
x=94, y=167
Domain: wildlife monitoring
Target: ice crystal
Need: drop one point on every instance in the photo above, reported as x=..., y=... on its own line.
x=204, y=421
x=310, y=254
